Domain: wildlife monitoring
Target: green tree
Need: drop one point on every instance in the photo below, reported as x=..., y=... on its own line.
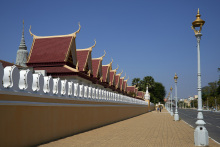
x=136, y=81
x=147, y=81
x=159, y=91
x=156, y=89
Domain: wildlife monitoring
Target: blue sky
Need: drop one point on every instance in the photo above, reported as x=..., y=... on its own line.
x=146, y=38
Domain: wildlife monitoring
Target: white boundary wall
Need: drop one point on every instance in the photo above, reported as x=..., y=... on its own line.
x=23, y=82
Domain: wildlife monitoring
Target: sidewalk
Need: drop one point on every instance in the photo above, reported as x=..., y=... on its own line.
x=153, y=129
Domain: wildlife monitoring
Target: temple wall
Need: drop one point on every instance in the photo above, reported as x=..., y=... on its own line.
x=36, y=109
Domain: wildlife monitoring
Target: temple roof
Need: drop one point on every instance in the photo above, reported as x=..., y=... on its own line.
x=112, y=76
x=84, y=58
x=131, y=89
x=140, y=94
x=105, y=73
x=53, y=49
x=95, y=67
x=122, y=82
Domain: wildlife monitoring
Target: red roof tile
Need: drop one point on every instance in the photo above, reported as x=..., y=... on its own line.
x=121, y=83
x=131, y=89
x=140, y=94
x=82, y=57
x=104, y=73
x=125, y=85
x=95, y=66
x=112, y=77
x=46, y=50
x=117, y=81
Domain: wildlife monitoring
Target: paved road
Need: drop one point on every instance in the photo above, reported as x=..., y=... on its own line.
x=212, y=120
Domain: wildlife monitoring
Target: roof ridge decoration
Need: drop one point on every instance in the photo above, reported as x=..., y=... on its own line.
x=124, y=76
x=89, y=48
x=120, y=73
x=116, y=68
x=101, y=58
x=72, y=34
x=127, y=79
x=109, y=63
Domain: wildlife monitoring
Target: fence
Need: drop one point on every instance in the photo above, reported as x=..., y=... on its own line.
x=36, y=109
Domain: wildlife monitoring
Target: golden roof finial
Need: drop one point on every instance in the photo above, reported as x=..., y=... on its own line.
x=124, y=76
x=111, y=62
x=120, y=73
x=31, y=32
x=127, y=78
x=103, y=55
x=117, y=67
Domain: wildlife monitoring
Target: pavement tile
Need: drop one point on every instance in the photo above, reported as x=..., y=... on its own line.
x=153, y=129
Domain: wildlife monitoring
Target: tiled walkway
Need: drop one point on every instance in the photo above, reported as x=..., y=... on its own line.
x=153, y=129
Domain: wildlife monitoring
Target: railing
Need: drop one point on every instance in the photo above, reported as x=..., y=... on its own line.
x=13, y=80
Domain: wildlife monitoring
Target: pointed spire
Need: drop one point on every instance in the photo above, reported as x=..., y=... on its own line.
x=22, y=45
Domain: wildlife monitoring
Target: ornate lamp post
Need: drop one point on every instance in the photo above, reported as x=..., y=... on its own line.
x=171, y=107
x=201, y=137
x=168, y=103
x=176, y=115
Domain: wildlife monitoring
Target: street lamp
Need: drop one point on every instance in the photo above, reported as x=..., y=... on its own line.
x=176, y=115
x=171, y=107
x=201, y=137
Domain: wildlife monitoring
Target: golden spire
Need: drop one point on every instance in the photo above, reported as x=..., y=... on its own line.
x=198, y=23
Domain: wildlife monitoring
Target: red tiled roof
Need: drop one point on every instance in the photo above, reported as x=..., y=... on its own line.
x=46, y=50
x=131, y=89
x=121, y=83
x=136, y=90
x=125, y=85
x=117, y=80
x=82, y=57
x=104, y=73
x=95, y=67
x=112, y=77
x=140, y=94
x=5, y=63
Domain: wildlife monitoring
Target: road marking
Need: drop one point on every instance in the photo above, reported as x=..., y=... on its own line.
x=187, y=123
x=214, y=140
x=208, y=123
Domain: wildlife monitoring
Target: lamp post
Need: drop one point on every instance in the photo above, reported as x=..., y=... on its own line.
x=171, y=107
x=168, y=103
x=201, y=137
x=176, y=115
